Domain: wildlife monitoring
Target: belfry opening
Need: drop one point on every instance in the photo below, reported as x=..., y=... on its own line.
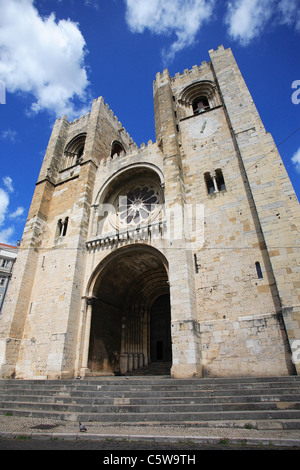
x=131, y=318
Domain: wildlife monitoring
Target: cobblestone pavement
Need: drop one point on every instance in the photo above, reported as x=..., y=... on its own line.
x=38, y=429
x=131, y=448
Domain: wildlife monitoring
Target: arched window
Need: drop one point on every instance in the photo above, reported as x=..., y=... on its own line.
x=199, y=97
x=74, y=151
x=220, y=180
x=209, y=183
x=200, y=105
x=61, y=228
x=117, y=149
x=215, y=183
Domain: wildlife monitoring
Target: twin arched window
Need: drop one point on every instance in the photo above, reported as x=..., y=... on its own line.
x=61, y=228
x=74, y=151
x=214, y=183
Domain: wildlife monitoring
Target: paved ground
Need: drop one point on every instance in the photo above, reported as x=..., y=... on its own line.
x=32, y=433
x=176, y=452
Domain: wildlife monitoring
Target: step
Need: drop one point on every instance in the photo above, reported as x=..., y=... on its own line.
x=156, y=368
x=144, y=385
x=138, y=400
x=151, y=408
x=162, y=418
x=146, y=400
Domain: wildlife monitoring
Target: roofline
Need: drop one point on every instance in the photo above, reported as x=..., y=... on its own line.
x=9, y=246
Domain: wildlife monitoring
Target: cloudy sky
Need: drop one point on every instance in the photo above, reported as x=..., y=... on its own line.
x=57, y=56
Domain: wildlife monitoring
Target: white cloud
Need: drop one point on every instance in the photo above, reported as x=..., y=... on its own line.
x=7, y=232
x=92, y=4
x=4, y=202
x=8, y=184
x=42, y=57
x=289, y=13
x=296, y=160
x=9, y=134
x=246, y=19
x=5, y=236
x=18, y=212
x=180, y=17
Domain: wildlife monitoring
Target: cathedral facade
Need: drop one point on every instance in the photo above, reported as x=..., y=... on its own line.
x=183, y=251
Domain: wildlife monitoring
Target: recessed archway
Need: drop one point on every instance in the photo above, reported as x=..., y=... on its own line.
x=130, y=291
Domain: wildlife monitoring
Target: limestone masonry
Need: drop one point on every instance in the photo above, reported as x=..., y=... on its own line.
x=183, y=251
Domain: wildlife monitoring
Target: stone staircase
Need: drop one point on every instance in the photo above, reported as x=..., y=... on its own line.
x=153, y=369
x=262, y=403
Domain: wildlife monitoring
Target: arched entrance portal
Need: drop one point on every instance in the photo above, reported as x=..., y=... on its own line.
x=131, y=320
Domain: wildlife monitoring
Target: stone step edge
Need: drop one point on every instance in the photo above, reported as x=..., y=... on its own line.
x=211, y=440
x=256, y=424
x=151, y=407
x=150, y=387
x=253, y=415
x=154, y=378
x=151, y=401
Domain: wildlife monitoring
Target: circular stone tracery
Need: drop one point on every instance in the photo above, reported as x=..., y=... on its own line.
x=139, y=203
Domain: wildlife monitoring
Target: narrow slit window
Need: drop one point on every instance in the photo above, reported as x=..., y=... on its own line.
x=65, y=226
x=209, y=183
x=220, y=180
x=80, y=155
x=258, y=270
x=58, y=229
x=196, y=263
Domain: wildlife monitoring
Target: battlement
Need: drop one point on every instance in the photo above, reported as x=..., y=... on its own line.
x=135, y=150
x=80, y=120
x=187, y=73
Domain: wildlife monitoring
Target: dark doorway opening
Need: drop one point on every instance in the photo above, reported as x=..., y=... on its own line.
x=128, y=329
x=160, y=330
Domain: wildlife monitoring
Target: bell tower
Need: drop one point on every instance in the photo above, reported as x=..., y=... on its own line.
x=240, y=260
x=182, y=284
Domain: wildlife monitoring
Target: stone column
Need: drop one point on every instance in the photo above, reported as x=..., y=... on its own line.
x=87, y=332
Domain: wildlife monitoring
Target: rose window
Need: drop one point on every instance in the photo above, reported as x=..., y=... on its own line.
x=139, y=204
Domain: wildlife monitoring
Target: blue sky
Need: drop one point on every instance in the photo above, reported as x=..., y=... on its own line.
x=57, y=56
